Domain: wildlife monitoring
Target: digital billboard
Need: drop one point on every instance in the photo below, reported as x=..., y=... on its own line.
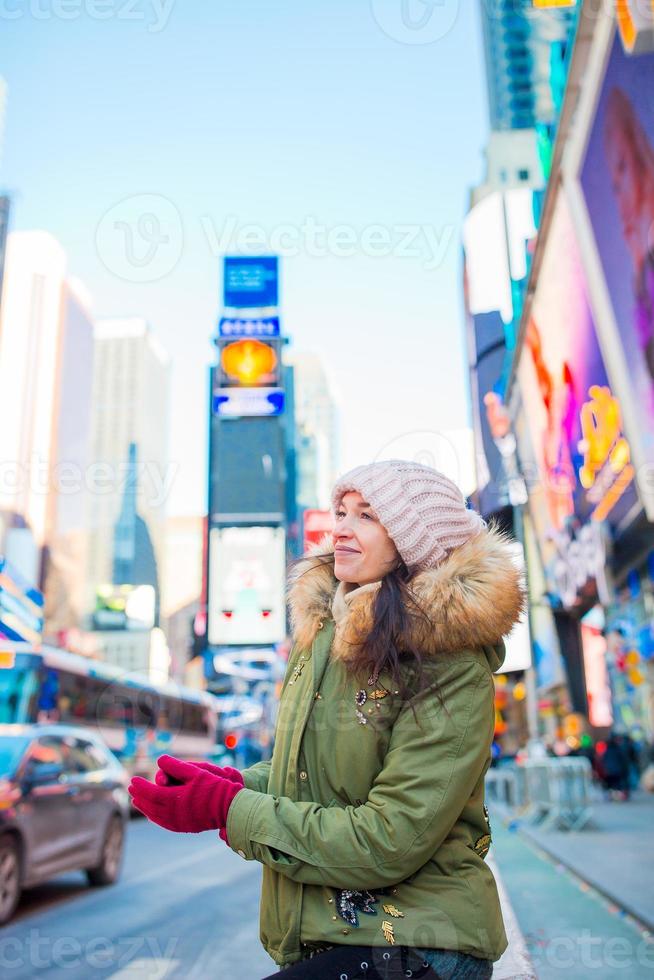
x=247, y=469
x=247, y=580
x=250, y=281
x=616, y=178
x=488, y=349
x=124, y=607
x=583, y=474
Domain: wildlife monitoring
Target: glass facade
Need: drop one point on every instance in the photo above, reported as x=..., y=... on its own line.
x=524, y=47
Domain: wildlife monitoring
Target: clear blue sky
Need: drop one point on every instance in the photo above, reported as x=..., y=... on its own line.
x=263, y=113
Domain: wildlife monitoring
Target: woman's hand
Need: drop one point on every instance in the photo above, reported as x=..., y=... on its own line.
x=198, y=800
x=227, y=772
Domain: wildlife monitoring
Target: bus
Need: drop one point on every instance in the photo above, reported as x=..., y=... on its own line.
x=137, y=718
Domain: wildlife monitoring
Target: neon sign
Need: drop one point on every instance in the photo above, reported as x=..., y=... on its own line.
x=607, y=470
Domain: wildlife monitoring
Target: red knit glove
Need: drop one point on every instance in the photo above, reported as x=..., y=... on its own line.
x=234, y=775
x=199, y=800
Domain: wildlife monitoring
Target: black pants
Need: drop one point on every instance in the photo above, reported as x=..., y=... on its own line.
x=379, y=963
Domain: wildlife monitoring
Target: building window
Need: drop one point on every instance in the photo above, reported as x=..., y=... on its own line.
x=523, y=175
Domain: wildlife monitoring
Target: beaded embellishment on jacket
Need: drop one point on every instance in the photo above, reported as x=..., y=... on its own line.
x=349, y=903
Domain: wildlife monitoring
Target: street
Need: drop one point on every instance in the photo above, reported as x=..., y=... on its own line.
x=186, y=906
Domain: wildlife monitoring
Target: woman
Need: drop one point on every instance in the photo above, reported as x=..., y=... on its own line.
x=630, y=157
x=370, y=819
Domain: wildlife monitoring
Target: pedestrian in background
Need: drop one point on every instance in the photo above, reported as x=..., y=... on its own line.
x=615, y=767
x=370, y=819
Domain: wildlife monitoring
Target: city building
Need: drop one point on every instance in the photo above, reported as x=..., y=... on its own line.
x=182, y=587
x=580, y=387
x=66, y=554
x=563, y=402
x=523, y=40
x=316, y=418
x=3, y=110
x=4, y=199
x=527, y=48
x=135, y=652
x=31, y=329
x=129, y=447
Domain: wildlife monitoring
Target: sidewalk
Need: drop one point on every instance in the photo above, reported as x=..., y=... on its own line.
x=515, y=964
x=569, y=930
x=616, y=858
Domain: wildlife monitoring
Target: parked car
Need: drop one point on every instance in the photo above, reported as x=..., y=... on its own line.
x=63, y=807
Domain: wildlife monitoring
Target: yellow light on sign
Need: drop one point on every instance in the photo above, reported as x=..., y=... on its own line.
x=7, y=659
x=248, y=360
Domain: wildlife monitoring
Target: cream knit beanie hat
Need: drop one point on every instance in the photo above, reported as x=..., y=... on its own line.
x=423, y=511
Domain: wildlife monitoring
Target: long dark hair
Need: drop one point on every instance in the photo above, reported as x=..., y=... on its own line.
x=385, y=649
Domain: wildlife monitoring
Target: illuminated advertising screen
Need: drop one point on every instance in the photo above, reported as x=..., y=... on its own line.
x=316, y=524
x=124, y=607
x=247, y=578
x=489, y=354
x=250, y=281
x=617, y=183
x=582, y=472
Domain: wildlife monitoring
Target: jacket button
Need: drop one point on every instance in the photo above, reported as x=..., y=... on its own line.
x=346, y=932
x=241, y=853
x=320, y=624
x=303, y=775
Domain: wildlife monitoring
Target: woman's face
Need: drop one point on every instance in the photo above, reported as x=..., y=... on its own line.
x=363, y=551
x=626, y=184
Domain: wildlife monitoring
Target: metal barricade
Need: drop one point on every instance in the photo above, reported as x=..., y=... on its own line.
x=555, y=793
x=558, y=792
x=502, y=787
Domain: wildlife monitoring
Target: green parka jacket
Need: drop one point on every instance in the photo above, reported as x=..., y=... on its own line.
x=369, y=819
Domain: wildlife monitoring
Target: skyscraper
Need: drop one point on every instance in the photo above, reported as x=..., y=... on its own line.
x=46, y=360
x=30, y=344
x=518, y=43
x=4, y=200
x=3, y=105
x=67, y=541
x=317, y=431
x=131, y=395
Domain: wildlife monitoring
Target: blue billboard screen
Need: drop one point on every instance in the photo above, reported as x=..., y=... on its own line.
x=250, y=281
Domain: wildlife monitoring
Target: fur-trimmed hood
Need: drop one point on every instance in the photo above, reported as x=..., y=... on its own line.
x=472, y=599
